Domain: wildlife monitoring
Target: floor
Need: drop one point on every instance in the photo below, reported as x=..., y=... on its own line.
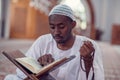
x=6, y=67
x=111, y=57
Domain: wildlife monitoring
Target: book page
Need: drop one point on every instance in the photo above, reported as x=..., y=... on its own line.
x=35, y=67
x=30, y=64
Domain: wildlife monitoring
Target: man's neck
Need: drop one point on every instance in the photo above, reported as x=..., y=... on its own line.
x=67, y=45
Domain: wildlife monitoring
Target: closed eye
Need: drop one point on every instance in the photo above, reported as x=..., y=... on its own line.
x=52, y=26
x=61, y=26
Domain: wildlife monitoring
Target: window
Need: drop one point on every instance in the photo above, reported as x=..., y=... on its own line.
x=79, y=11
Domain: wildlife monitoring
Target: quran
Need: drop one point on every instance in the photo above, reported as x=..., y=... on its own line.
x=30, y=67
x=34, y=66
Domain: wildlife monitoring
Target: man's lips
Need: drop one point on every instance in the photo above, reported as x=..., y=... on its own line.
x=57, y=37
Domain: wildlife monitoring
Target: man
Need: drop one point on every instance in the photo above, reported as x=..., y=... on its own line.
x=63, y=43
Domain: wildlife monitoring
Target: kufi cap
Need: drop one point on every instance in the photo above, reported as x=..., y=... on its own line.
x=63, y=9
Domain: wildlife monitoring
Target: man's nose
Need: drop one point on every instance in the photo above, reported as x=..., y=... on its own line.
x=57, y=31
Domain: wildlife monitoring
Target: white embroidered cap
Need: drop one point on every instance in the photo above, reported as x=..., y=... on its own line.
x=63, y=9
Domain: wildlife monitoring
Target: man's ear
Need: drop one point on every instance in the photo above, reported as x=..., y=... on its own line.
x=74, y=24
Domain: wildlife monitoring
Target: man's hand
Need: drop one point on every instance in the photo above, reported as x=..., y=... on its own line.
x=45, y=59
x=86, y=49
x=85, y=53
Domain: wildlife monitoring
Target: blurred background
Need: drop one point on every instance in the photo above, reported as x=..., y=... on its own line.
x=23, y=21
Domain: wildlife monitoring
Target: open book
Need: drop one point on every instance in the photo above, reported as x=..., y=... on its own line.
x=34, y=66
x=30, y=64
x=31, y=67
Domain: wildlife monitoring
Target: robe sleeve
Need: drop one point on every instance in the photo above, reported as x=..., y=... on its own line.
x=98, y=63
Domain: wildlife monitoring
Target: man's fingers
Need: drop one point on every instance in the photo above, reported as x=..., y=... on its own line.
x=50, y=58
x=42, y=60
x=87, y=48
x=45, y=59
x=89, y=45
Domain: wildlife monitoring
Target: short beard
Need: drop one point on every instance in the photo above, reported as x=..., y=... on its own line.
x=60, y=42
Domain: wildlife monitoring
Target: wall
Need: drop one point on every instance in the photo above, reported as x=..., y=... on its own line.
x=107, y=13
x=5, y=18
x=0, y=19
x=6, y=14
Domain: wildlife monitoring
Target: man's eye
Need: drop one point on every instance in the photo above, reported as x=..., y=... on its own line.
x=52, y=27
x=61, y=26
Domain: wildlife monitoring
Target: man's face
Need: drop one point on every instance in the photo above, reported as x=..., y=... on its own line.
x=60, y=28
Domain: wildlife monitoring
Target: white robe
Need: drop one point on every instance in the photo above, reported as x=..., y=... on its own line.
x=71, y=70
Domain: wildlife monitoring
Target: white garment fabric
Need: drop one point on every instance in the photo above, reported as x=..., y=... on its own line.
x=71, y=70
x=12, y=77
